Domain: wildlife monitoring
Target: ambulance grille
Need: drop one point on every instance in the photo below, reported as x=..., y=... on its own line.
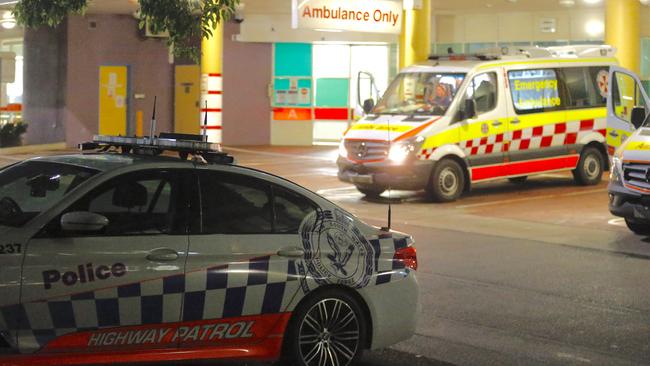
x=365, y=150
x=637, y=175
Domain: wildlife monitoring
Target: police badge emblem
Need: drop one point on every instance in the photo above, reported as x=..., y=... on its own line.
x=336, y=252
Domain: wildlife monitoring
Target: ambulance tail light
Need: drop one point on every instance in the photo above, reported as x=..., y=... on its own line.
x=408, y=256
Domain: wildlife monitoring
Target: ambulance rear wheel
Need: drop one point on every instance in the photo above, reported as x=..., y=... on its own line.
x=329, y=329
x=372, y=192
x=589, y=171
x=638, y=227
x=447, y=181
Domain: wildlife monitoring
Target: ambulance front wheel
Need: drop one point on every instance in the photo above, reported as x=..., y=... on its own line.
x=589, y=171
x=371, y=192
x=638, y=227
x=447, y=181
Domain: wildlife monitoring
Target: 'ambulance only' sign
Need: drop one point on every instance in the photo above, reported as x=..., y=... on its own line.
x=375, y=16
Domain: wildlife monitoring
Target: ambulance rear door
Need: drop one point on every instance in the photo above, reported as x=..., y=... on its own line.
x=627, y=106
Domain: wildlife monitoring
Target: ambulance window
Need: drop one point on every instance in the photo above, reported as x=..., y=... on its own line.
x=534, y=91
x=235, y=204
x=626, y=95
x=483, y=89
x=582, y=87
x=289, y=209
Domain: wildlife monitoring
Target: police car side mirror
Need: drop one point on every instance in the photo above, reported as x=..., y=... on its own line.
x=470, y=109
x=81, y=221
x=368, y=105
x=638, y=116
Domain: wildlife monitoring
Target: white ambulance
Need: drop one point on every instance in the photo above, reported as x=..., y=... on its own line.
x=457, y=120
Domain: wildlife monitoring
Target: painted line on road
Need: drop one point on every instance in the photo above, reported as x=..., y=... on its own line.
x=514, y=200
x=266, y=153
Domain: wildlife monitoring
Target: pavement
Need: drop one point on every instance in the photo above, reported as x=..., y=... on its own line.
x=532, y=274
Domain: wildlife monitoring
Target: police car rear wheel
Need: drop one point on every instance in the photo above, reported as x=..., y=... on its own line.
x=590, y=167
x=638, y=227
x=447, y=181
x=372, y=192
x=328, y=330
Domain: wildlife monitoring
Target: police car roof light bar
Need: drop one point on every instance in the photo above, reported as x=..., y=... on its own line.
x=184, y=144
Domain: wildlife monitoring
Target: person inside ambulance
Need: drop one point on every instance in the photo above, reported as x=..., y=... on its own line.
x=439, y=97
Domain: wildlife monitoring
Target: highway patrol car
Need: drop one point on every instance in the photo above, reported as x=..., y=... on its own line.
x=126, y=255
x=629, y=184
x=459, y=120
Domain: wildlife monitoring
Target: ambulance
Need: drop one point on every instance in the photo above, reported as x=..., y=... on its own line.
x=458, y=120
x=629, y=183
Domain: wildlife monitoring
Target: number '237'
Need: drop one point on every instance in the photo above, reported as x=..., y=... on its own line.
x=10, y=248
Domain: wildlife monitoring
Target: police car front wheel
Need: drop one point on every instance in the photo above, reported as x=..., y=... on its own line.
x=590, y=167
x=326, y=330
x=447, y=181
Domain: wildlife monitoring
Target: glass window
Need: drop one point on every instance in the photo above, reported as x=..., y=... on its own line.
x=290, y=209
x=235, y=204
x=142, y=203
x=420, y=93
x=534, y=90
x=483, y=89
x=582, y=87
x=626, y=95
x=32, y=187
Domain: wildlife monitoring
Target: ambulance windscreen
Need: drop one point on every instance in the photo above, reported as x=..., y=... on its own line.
x=424, y=93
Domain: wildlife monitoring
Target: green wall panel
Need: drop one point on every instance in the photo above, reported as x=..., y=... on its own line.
x=292, y=59
x=332, y=92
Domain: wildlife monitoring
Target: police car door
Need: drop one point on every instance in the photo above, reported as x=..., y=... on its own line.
x=118, y=285
x=627, y=106
x=241, y=266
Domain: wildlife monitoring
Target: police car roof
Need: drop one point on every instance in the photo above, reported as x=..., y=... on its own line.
x=106, y=161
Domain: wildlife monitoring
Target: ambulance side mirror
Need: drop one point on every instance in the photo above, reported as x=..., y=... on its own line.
x=368, y=105
x=638, y=116
x=82, y=221
x=470, y=109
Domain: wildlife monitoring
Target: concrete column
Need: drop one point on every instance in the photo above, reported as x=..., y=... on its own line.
x=622, y=30
x=212, y=84
x=415, y=40
x=44, y=75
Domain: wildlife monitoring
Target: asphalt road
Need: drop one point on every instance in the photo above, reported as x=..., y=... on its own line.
x=533, y=274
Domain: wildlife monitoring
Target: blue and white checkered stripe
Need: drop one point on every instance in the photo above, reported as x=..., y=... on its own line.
x=388, y=269
x=258, y=286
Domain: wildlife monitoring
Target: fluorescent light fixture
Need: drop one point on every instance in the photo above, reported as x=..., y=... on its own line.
x=567, y=3
x=592, y=2
x=328, y=30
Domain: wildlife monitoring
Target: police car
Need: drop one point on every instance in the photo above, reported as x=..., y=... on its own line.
x=124, y=255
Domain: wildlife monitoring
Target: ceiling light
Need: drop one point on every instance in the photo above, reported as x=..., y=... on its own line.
x=8, y=21
x=567, y=3
x=645, y=2
x=595, y=27
x=592, y=2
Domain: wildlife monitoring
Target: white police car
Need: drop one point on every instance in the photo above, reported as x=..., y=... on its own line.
x=127, y=256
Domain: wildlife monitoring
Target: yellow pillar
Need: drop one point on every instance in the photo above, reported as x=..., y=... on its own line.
x=212, y=84
x=415, y=40
x=622, y=30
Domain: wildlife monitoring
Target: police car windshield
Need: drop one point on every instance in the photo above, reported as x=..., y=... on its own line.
x=29, y=188
x=428, y=93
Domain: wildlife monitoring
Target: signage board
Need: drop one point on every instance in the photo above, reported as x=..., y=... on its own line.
x=373, y=16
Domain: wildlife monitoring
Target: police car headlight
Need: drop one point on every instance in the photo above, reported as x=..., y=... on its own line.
x=343, y=152
x=400, y=151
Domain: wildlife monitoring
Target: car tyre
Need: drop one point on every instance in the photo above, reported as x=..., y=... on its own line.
x=329, y=329
x=371, y=192
x=638, y=227
x=447, y=181
x=518, y=180
x=589, y=171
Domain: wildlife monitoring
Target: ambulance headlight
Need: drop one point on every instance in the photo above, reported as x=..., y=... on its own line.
x=343, y=152
x=617, y=169
x=402, y=150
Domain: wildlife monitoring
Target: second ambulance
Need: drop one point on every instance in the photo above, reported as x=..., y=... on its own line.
x=454, y=121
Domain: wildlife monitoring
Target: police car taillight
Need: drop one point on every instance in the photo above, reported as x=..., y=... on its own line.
x=408, y=256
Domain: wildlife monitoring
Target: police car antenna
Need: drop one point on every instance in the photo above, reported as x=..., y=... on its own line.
x=152, y=128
